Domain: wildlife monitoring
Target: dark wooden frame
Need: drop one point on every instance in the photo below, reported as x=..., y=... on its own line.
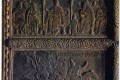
x=7, y=56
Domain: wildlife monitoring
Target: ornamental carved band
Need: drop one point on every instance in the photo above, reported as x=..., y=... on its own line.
x=60, y=40
x=28, y=43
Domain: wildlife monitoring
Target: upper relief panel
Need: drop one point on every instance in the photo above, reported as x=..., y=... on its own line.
x=59, y=18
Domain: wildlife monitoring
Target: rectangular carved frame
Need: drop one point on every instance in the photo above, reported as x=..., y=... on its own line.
x=7, y=33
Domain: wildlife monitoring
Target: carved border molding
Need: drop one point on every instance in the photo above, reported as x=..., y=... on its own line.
x=116, y=53
x=7, y=32
x=59, y=43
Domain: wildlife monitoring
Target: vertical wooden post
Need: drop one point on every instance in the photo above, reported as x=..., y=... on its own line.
x=116, y=47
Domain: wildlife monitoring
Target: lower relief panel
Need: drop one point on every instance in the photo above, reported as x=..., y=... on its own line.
x=59, y=65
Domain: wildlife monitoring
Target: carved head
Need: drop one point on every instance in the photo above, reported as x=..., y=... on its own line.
x=56, y=2
x=20, y=4
x=82, y=14
x=94, y=2
x=100, y=12
x=74, y=16
x=25, y=4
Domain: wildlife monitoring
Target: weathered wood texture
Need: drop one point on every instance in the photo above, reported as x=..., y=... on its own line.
x=60, y=40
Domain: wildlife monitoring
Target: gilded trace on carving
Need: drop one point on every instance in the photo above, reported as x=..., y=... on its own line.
x=59, y=17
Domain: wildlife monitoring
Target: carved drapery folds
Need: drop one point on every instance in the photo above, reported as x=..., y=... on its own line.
x=56, y=17
x=59, y=40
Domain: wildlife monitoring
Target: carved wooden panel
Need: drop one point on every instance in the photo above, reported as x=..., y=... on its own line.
x=60, y=40
x=58, y=65
x=59, y=18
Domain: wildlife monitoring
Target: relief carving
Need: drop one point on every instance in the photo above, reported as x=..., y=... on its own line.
x=29, y=43
x=52, y=65
x=58, y=40
x=29, y=18
x=55, y=19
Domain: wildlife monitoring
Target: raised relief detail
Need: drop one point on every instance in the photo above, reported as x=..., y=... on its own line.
x=27, y=17
x=56, y=43
x=77, y=53
x=59, y=40
x=57, y=65
x=57, y=17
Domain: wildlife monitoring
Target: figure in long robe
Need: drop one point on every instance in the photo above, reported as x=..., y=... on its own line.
x=100, y=22
x=18, y=18
x=56, y=18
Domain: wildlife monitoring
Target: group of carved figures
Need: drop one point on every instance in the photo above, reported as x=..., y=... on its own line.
x=45, y=66
x=29, y=18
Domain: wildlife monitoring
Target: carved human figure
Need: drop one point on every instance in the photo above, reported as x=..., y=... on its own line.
x=43, y=68
x=37, y=17
x=92, y=15
x=52, y=66
x=61, y=70
x=72, y=71
x=74, y=25
x=33, y=18
x=57, y=17
x=85, y=22
x=18, y=17
x=48, y=25
x=100, y=21
x=66, y=28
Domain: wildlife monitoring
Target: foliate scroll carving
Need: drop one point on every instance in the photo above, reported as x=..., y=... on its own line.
x=58, y=65
x=59, y=43
x=57, y=17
